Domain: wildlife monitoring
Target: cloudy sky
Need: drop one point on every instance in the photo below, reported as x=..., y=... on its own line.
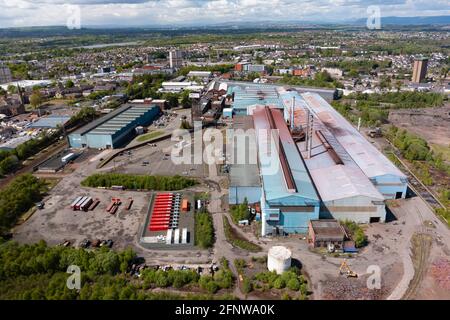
x=18, y=13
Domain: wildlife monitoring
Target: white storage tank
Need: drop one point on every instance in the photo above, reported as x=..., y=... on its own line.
x=279, y=259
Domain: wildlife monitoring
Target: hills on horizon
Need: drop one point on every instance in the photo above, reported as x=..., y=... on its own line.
x=394, y=21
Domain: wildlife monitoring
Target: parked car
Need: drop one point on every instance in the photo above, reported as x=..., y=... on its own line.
x=85, y=243
x=109, y=243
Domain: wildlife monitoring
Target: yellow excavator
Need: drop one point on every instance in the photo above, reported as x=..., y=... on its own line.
x=345, y=269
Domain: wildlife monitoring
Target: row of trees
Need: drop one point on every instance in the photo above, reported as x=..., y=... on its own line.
x=370, y=115
x=399, y=100
x=30, y=259
x=17, y=198
x=236, y=240
x=291, y=279
x=411, y=146
x=138, y=182
x=146, y=86
x=321, y=79
x=354, y=67
x=417, y=150
x=204, y=229
x=38, y=272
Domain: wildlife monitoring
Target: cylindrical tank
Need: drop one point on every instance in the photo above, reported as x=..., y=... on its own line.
x=279, y=259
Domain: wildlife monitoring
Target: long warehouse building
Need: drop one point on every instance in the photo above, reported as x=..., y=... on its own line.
x=344, y=189
x=114, y=129
x=325, y=167
x=386, y=177
x=289, y=199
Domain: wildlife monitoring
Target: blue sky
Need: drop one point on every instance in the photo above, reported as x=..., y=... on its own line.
x=18, y=13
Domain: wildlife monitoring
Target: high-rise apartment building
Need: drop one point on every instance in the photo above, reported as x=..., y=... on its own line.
x=419, y=69
x=5, y=74
x=175, y=59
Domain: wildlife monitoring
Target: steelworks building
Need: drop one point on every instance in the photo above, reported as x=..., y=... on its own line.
x=114, y=129
x=330, y=171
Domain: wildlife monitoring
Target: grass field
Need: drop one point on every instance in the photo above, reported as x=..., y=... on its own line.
x=444, y=150
x=150, y=135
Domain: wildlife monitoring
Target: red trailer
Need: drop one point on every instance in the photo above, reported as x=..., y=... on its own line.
x=158, y=223
x=129, y=204
x=162, y=204
x=110, y=206
x=159, y=228
x=161, y=214
x=164, y=224
x=94, y=205
x=114, y=202
x=114, y=209
x=162, y=211
x=160, y=218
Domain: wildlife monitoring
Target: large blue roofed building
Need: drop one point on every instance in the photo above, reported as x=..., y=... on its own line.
x=323, y=166
x=114, y=129
x=289, y=199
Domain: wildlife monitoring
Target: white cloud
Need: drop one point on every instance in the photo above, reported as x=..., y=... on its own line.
x=152, y=12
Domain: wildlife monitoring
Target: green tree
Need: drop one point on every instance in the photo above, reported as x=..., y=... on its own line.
x=186, y=102
x=12, y=89
x=69, y=84
x=36, y=101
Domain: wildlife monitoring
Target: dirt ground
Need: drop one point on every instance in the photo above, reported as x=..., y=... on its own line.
x=58, y=222
x=432, y=124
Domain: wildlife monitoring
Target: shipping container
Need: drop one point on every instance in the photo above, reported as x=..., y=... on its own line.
x=184, y=236
x=169, y=236
x=114, y=209
x=77, y=205
x=72, y=205
x=176, y=237
x=129, y=204
x=68, y=157
x=85, y=205
x=94, y=204
x=110, y=206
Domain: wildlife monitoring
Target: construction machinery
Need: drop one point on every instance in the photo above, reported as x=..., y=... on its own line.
x=375, y=133
x=344, y=269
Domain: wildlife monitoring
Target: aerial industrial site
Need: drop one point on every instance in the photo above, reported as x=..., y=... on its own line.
x=276, y=163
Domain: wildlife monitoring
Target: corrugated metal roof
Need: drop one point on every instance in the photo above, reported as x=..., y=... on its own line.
x=114, y=124
x=333, y=181
x=275, y=188
x=50, y=122
x=372, y=162
x=250, y=95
